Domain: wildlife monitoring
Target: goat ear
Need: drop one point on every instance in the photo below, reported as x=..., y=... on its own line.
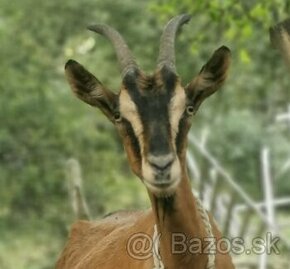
x=89, y=89
x=210, y=78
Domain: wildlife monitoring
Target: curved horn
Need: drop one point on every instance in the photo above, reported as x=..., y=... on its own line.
x=124, y=55
x=166, y=50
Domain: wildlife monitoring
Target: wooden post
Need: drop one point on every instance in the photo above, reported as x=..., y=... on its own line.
x=229, y=213
x=284, y=117
x=269, y=199
x=74, y=179
x=245, y=223
x=268, y=188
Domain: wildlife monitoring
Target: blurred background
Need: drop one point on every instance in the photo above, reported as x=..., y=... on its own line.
x=244, y=127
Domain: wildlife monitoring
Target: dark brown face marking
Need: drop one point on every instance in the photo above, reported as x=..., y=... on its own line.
x=133, y=139
x=151, y=106
x=181, y=138
x=151, y=96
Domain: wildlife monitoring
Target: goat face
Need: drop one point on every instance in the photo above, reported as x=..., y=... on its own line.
x=152, y=113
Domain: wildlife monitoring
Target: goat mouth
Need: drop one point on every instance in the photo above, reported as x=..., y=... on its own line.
x=162, y=188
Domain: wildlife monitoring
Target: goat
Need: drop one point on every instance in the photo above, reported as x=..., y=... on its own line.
x=153, y=114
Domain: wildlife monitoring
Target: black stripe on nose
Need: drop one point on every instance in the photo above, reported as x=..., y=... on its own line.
x=159, y=140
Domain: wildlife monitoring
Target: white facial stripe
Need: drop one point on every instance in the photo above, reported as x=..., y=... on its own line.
x=176, y=109
x=129, y=111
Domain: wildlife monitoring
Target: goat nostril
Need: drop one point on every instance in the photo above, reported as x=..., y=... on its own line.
x=161, y=167
x=161, y=163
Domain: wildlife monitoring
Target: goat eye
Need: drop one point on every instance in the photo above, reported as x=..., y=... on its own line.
x=117, y=117
x=190, y=110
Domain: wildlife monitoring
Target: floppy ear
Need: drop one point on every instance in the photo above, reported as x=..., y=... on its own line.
x=89, y=89
x=210, y=78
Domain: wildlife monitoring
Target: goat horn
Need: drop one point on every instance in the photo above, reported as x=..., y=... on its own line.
x=124, y=55
x=167, y=51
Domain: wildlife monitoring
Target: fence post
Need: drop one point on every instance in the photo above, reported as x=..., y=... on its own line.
x=74, y=179
x=269, y=198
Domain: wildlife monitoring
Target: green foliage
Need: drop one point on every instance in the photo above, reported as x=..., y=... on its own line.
x=42, y=124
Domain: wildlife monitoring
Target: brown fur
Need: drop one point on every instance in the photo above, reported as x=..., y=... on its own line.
x=102, y=244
